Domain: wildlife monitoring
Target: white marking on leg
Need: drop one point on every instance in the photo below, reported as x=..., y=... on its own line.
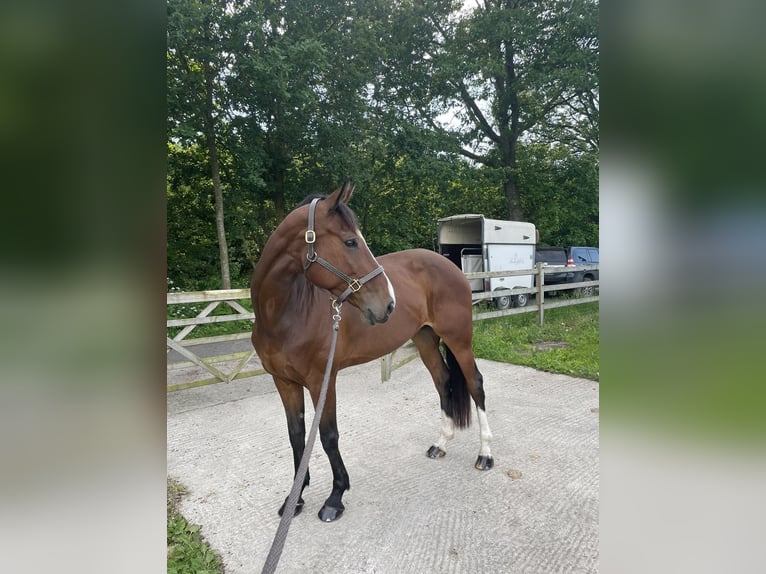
x=484, y=433
x=447, y=432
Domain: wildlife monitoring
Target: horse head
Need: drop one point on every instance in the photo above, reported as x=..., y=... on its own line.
x=338, y=259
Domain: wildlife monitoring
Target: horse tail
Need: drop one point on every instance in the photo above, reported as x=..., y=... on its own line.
x=458, y=399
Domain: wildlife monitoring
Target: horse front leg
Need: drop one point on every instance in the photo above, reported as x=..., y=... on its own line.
x=292, y=400
x=328, y=432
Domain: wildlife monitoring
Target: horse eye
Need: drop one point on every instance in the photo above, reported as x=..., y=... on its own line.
x=351, y=243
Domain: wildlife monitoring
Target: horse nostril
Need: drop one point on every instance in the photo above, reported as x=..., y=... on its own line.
x=390, y=308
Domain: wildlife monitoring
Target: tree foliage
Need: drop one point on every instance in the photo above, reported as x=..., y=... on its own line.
x=499, y=75
x=432, y=109
x=198, y=65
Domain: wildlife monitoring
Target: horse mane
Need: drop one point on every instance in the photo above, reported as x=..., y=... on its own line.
x=343, y=210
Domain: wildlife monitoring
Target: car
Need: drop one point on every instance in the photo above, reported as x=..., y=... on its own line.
x=577, y=256
x=554, y=257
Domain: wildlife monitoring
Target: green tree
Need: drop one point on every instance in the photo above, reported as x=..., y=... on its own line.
x=196, y=65
x=561, y=193
x=298, y=83
x=507, y=71
x=192, y=251
x=432, y=111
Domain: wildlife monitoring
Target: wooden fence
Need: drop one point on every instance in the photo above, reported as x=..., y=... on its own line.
x=539, y=305
x=237, y=361
x=539, y=291
x=183, y=346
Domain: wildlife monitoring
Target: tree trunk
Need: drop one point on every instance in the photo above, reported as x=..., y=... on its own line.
x=511, y=191
x=223, y=248
x=220, y=230
x=513, y=199
x=510, y=131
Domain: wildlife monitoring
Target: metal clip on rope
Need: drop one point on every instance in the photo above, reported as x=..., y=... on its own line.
x=336, y=317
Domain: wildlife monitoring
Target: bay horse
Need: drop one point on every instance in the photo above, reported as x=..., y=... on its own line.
x=318, y=254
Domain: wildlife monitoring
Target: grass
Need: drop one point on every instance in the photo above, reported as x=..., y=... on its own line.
x=188, y=553
x=568, y=342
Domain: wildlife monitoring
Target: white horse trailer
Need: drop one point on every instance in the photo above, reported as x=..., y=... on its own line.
x=477, y=244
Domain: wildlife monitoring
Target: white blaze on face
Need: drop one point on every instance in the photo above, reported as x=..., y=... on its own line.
x=388, y=282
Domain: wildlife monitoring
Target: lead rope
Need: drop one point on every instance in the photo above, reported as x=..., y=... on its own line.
x=275, y=552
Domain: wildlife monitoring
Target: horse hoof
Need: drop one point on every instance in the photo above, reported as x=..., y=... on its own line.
x=435, y=452
x=298, y=507
x=484, y=462
x=330, y=513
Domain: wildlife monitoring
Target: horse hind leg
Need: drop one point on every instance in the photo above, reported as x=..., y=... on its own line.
x=453, y=404
x=484, y=461
x=460, y=357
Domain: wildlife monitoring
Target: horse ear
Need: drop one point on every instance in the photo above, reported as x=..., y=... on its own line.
x=342, y=194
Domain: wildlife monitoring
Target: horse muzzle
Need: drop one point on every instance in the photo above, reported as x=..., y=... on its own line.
x=374, y=318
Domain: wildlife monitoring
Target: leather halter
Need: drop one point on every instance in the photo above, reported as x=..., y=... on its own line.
x=312, y=257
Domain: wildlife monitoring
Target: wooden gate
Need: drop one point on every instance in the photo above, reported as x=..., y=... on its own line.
x=224, y=368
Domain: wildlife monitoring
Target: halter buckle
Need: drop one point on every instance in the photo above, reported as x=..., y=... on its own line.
x=310, y=236
x=355, y=285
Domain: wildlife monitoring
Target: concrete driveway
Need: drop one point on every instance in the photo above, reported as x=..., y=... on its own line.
x=536, y=511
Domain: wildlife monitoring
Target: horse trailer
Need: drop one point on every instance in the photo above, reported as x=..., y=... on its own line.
x=478, y=244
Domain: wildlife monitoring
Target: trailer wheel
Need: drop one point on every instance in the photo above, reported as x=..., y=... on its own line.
x=503, y=302
x=520, y=300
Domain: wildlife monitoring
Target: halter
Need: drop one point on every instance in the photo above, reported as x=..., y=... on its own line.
x=312, y=257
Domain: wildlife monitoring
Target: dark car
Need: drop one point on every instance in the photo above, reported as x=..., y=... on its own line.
x=577, y=256
x=554, y=257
